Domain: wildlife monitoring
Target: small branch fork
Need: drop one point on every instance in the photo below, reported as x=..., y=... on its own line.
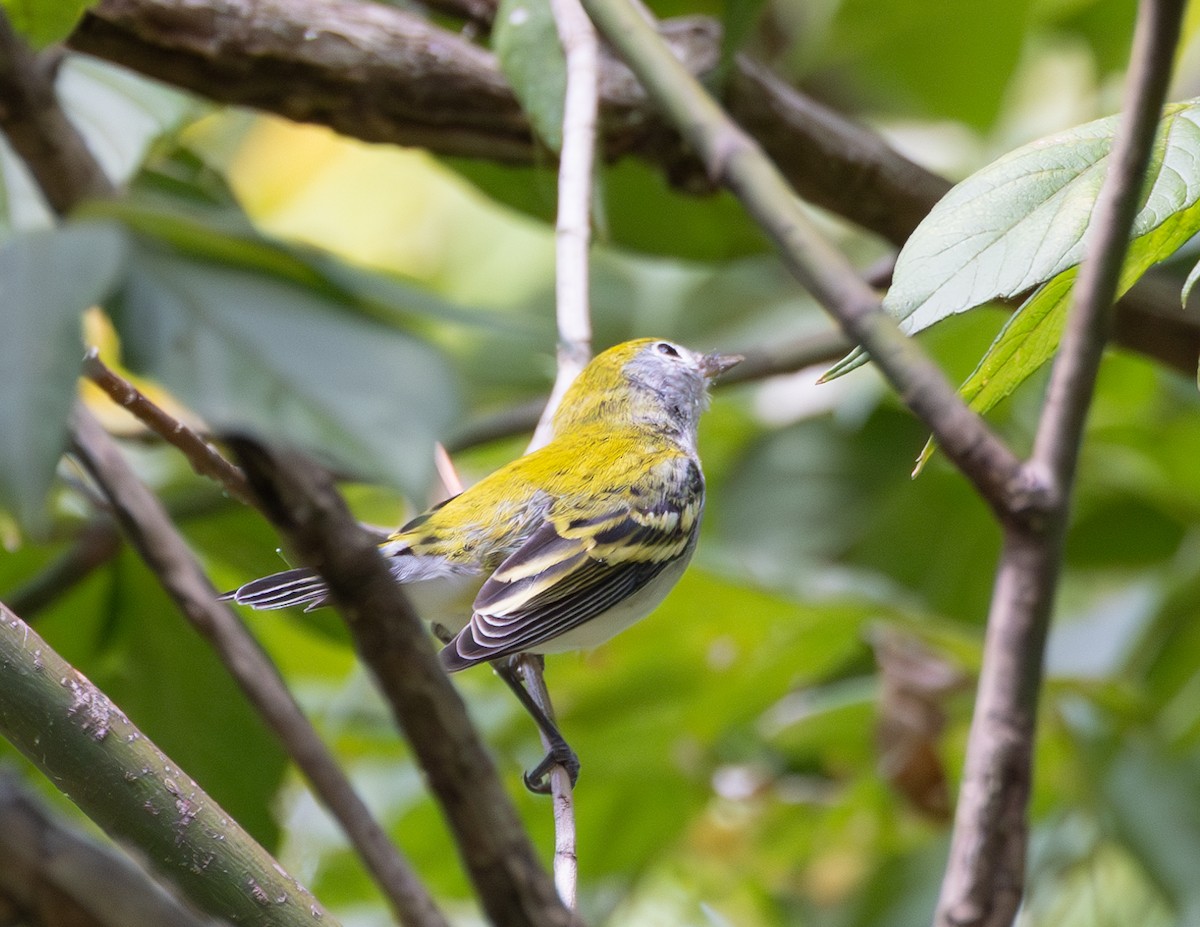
x=985, y=874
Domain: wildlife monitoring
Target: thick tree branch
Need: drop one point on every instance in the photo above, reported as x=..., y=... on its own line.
x=51, y=875
x=134, y=792
x=513, y=887
x=374, y=72
x=378, y=73
x=985, y=874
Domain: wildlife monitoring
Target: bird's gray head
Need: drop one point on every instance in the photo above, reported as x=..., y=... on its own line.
x=671, y=384
x=648, y=381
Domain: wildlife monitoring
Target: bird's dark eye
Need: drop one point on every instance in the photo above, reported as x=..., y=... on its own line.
x=667, y=349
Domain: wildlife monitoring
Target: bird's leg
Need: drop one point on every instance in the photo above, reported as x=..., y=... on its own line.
x=559, y=753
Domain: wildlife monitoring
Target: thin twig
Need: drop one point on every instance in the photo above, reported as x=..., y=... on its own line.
x=572, y=231
x=985, y=872
x=736, y=160
x=151, y=531
x=572, y=245
x=205, y=459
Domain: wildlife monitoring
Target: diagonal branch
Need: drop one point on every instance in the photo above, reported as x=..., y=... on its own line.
x=985, y=873
x=136, y=793
x=151, y=531
x=300, y=500
x=736, y=160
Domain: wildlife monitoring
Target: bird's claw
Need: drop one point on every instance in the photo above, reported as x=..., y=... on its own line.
x=537, y=780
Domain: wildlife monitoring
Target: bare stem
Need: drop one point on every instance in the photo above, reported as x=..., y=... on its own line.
x=985, y=874
x=204, y=458
x=572, y=310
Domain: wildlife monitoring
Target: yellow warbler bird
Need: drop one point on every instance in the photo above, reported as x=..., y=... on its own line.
x=566, y=546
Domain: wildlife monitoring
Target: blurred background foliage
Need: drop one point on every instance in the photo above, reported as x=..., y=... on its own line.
x=777, y=744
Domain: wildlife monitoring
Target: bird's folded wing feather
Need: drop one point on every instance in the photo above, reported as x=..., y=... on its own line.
x=578, y=564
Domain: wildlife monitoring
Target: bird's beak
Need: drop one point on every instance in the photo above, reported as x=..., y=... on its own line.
x=714, y=364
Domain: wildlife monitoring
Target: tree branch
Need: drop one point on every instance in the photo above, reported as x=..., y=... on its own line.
x=378, y=73
x=371, y=71
x=151, y=531
x=134, y=792
x=736, y=160
x=985, y=873
x=299, y=499
x=203, y=457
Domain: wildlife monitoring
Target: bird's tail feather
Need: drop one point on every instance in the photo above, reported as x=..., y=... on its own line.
x=282, y=590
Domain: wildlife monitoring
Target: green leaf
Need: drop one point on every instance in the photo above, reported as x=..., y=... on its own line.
x=1031, y=336
x=49, y=277
x=44, y=22
x=221, y=233
x=254, y=352
x=525, y=40
x=1021, y=221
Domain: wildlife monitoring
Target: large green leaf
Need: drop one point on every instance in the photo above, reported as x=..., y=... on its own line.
x=256, y=352
x=1021, y=221
x=49, y=278
x=525, y=40
x=1031, y=336
x=1149, y=798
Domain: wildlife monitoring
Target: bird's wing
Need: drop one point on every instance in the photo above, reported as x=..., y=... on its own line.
x=580, y=562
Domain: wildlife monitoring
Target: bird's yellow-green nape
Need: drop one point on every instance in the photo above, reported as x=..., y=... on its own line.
x=648, y=380
x=598, y=389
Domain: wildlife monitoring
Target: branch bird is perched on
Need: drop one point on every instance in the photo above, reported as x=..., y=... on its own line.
x=566, y=546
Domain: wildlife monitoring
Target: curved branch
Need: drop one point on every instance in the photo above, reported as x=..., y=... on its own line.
x=378, y=73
